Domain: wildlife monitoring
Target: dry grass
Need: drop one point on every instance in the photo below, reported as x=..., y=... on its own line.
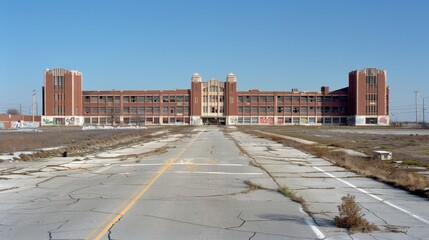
x=78, y=142
x=294, y=197
x=351, y=216
x=383, y=171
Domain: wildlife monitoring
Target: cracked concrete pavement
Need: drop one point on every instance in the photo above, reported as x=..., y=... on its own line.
x=399, y=214
x=194, y=190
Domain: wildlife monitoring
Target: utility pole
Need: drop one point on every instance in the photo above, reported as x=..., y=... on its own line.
x=32, y=105
x=416, y=94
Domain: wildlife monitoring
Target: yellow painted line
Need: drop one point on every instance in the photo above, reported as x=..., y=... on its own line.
x=129, y=203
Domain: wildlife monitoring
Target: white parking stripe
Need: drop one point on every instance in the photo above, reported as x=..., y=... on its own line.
x=310, y=222
x=375, y=197
x=196, y=164
x=216, y=173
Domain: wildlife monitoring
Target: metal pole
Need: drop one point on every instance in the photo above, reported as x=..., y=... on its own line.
x=32, y=105
x=424, y=109
x=416, y=94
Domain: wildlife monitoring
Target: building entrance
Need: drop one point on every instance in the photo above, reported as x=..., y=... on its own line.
x=213, y=121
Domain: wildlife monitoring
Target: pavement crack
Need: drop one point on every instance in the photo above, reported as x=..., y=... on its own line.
x=56, y=229
x=241, y=219
x=76, y=200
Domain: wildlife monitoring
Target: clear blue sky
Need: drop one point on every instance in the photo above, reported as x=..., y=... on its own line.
x=270, y=45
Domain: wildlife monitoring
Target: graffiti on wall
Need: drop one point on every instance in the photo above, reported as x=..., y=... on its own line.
x=24, y=124
x=47, y=121
x=195, y=120
x=232, y=120
x=74, y=121
x=360, y=120
x=383, y=120
x=2, y=125
x=266, y=120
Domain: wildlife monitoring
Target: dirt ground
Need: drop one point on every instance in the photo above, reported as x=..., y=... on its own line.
x=404, y=144
x=75, y=139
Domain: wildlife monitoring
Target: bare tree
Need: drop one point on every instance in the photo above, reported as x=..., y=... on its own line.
x=13, y=111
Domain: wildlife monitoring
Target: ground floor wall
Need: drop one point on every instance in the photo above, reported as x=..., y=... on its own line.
x=18, y=121
x=203, y=120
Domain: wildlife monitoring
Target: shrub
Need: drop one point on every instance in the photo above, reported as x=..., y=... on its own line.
x=351, y=216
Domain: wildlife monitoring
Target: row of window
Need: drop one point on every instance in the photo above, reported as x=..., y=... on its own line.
x=295, y=109
x=135, y=99
x=293, y=98
x=214, y=89
x=207, y=109
x=58, y=82
x=136, y=120
x=212, y=98
x=137, y=110
x=291, y=120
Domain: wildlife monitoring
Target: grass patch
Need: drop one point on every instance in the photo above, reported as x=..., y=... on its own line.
x=292, y=195
x=351, y=216
x=415, y=163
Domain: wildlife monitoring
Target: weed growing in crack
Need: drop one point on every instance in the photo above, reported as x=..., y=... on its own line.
x=294, y=197
x=351, y=216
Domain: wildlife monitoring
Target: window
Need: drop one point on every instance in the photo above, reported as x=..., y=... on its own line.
x=117, y=99
x=156, y=110
x=295, y=99
x=179, y=99
x=141, y=99
x=164, y=109
x=270, y=109
x=86, y=109
x=304, y=109
x=288, y=99
x=102, y=109
x=240, y=109
x=155, y=98
x=126, y=99
x=263, y=109
x=263, y=99
x=133, y=110
x=270, y=99
x=295, y=109
x=279, y=109
x=288, y=109
x=149, y=110
x=254, y=109
x=172, y=109
x=126, y=109
x=110, y=99
x=179, y=110
x=133, y=99
x=141, y=110
x=102, y=99
x=254, y=99
x=172, y=98
x=328, y=99
x=149, y=99
x=304, y=99
x=86, y=99
x=240, y=99
x=327, y=110
x=246, y=109
x=280, y=98
x=186, y=98
x=164, y=98
x=94, y=110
